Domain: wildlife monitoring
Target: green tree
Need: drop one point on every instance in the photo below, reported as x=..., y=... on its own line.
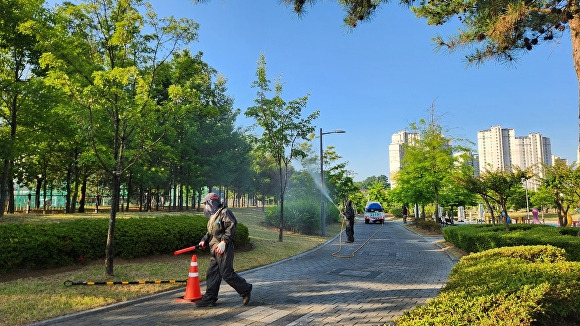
x=501, y=186
x=428, y=165
x=21, y=88
x=104, y=54
x=282, y=127
x=378, y=192
x=542, y=198
x=564, y=182
x=518, y=200
x=208, y=149
x=453, y=193
x=265, y=174
x=366, y=183
x=478, y=185
x=411, y=189
x=338, y=180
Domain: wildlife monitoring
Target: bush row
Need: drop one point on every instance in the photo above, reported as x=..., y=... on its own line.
x=40, y=246
x=301, y=215
x=526, y=285
x=480, y=237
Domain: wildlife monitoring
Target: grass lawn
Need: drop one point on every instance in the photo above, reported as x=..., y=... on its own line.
x=29, y=296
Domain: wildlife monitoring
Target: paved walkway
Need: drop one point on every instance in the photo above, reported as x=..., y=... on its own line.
x=392, y=271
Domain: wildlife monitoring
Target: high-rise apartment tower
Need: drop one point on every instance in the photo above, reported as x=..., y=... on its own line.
x=499, y=149
x=397, y=151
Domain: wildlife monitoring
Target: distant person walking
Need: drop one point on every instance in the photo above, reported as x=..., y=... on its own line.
x=221, y=233
x=349, y=217
x=405, y=213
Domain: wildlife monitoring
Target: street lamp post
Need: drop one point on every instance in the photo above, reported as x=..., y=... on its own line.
x=527, y=202
x=322, y=219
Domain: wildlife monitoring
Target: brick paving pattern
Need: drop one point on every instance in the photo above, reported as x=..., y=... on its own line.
x=392, y=271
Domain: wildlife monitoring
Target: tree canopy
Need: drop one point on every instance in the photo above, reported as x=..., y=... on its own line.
x=282, y=126
x=428, y=165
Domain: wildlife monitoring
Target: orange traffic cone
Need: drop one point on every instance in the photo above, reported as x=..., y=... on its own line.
x=192, y=289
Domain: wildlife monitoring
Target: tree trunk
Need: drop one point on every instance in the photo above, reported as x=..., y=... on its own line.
x=199, y=200
x=44, y=197
x=280, y=235
x=6, y=180
x=141, y=199
x=4, y=186
x=263, y=203
x=38, y=187
x=560, y=209
x=574, y=24
x=148, y=199
x=83, y=199
x=437, y=217
x=75, y=193
x=490, y=208
x=76, y=181
x=110, y=248
x=11, y=207
x=180, y=200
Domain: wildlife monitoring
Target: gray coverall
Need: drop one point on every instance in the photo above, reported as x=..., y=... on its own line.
x=222, y=266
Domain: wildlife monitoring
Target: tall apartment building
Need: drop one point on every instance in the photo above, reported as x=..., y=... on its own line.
x=499, y=149
x=397, y=151
x=494, y=147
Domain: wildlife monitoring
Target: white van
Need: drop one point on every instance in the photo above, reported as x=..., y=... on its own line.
x=374, y=213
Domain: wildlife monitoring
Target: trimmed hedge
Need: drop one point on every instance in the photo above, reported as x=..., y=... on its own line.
x=480, y=237
x=40, y=246
x=526, y=285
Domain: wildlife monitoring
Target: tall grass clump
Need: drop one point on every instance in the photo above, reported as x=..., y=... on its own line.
x=301, y=215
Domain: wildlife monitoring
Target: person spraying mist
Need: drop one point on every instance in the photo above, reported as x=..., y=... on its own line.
x=349, y=218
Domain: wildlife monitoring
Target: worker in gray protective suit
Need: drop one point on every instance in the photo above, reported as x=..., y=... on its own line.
x=220, y=236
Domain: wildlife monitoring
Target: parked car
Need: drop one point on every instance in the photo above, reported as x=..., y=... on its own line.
x=374, y=213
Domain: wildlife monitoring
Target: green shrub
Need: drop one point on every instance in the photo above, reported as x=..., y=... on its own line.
x=480, y=237
x=40, y=246
x=534, y=254
x=396, y=211
x=530, y=285
x=301, y=216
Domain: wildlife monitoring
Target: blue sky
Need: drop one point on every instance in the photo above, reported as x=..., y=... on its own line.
x=376, y=79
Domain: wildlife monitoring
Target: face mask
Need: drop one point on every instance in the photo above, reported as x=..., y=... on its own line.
x=211, y=207
x=207, y=211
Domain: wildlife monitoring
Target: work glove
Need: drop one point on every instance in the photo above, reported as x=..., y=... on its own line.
x=201, y=244
x=220, y=248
